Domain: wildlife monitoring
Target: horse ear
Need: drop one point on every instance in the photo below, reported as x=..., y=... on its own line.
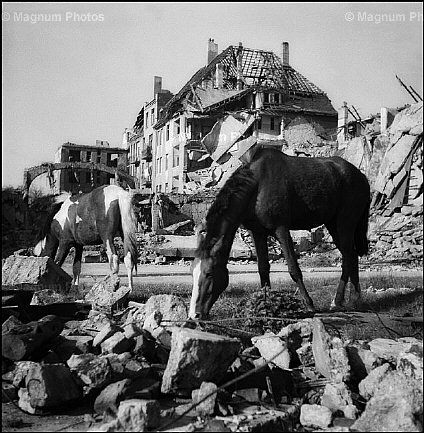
x=217, y=245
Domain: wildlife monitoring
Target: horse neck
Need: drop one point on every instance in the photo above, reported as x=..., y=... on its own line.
x=224, y=237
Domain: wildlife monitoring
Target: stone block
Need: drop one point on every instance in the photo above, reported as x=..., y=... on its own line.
x=117, y=343
x=106, y=331
x=152, y=321
x=206, y=407
x=48, y=297
x=172, y=307
x=93, y=372
x=410, y=362
x=370, y=384
x=111, y=396
x=314, y=415
x=51, y=385
x=272, y=346
x=330, y=354
x=397, y=405
x=139, y=415
x=337, y=397
x=34, y=272
x=362, y=361
x=197, y=357
x=389, y=349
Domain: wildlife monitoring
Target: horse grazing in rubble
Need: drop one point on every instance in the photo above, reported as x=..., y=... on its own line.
x=270, y=195
x=91, y=219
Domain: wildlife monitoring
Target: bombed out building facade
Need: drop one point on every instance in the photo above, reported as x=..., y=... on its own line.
x=240, y=93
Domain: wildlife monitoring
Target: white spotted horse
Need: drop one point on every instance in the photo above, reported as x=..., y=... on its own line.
x=91, y=219
x=272, y=194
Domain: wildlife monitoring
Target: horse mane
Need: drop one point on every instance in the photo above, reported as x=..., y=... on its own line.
x=229, y=205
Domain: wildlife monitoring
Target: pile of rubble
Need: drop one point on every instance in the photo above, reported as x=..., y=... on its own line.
x=142, y=370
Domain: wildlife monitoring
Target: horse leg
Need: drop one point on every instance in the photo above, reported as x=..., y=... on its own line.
x=129, y=265
x=62, y=252
x=112, y=256
x=338, y=300
x=350, y=270
x=283, y=236
x=76, y=268
x=261, y=246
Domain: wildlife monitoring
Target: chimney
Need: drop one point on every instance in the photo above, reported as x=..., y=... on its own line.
x=219, y=76
x=157, y=86
x=240, y=67
x=285, y=53
x=342, y=126
x=212, y=50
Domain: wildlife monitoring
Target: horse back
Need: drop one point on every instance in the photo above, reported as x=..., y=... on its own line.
x=305, y=192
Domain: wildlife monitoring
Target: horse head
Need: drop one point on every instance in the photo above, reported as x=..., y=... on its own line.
x=210, y=275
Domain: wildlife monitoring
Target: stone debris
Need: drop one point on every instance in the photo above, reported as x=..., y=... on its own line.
x=140, y=370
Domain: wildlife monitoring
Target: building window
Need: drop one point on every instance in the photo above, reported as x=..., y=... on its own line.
x=266, y=98
x=99, y=156
x=147, y=119
x=277, y=98
x=177, y=127
x=167, y=132
x=272, y=124
x=166, y=162
x=153, y=116
x=259, y=123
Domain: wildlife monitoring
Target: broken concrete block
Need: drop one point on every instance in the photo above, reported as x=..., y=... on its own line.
x=34, y=272
x=206, y=407
x=306, y=355
x=152, y=321
x=24, y=402
x=162, y=336
x=329, y=354
x=24, y=340
x=251, y=395
x=107, y=330
x=111, y=396
x=83, y=343
x=106, y=301
x=172, y=307
x=117, y=363
x=389, y=349
x=66, y=346
x=272, y=346
x=397, y=405
x=338, y=397
x=93, y=372
x=197, y=357
x=51, y=385
x=118, y=343
x=131, y=330
x=410, y=362
x=20, y=372
x=314, y=415
x=48, y=297
x=362, y=361
x=9, y=324
x=370, y=384
x=138, y=415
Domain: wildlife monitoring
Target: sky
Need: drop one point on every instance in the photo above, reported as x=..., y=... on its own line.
x=80, y=72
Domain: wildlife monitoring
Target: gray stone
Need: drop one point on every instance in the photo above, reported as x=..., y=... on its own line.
x=131, y=330
x=338, y=397
x=48, y=297
x=111, y=396
x=389, y=349
x=152, y=321
x=329, y=353
x=207, y=407
x=272, y=346
x=93, y=372
x=370, y=384
x=397, y=405
x=9, y=324
x=314, y=415
x=51, y=385
x=197, y=357
x=106, y=331
x=172, y=307
x=34, y=272
x=138, y=415
x=410, y=362
x=20, y=372
x=24, y=402
x=117, y=343
x=362, y=361
x=306, y=355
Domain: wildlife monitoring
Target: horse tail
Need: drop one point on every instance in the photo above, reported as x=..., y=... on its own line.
x=361, y=240
x=129, y=226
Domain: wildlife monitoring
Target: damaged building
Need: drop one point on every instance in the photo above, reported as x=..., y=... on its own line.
x=241, y=97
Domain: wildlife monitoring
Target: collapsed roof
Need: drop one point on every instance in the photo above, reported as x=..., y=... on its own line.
x=258, y=69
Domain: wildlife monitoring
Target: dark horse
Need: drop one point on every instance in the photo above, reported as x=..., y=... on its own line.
x=91, y=219
x=270, y=195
